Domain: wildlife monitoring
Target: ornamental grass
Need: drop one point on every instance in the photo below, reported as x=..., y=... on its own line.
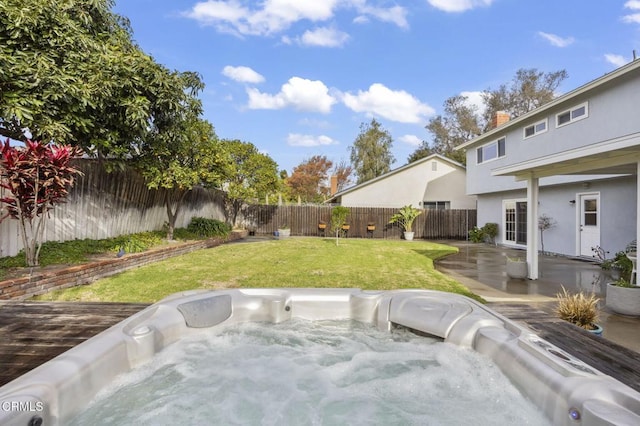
x=578, y=308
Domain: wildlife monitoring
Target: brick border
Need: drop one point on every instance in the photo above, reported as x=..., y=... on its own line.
x=43, y=282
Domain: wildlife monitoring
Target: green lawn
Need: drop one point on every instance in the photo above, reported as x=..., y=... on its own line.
x=294, y=262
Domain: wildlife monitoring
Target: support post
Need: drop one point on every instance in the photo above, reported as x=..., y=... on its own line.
x=532, y=226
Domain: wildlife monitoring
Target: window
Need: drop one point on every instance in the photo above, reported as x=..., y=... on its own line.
x=534, y=129
x=515, y=222
x=491, y=151
x=574, y=114
x=437, y=205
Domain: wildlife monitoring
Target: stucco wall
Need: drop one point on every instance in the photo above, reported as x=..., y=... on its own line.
x=412, y=186
x=612, y=112
x=617, y=213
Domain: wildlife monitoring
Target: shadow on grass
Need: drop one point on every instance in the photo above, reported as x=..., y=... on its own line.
x=436, y=254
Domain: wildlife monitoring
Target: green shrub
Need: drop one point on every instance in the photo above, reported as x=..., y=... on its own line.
x=476, y=235
x=490, y=231
x=136, y=243
x=207, y=228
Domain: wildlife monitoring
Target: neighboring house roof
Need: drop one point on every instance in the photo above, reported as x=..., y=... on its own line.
x=592, y=85
x=395, y=171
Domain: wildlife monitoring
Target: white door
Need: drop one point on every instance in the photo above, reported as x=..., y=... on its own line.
x=589, y=223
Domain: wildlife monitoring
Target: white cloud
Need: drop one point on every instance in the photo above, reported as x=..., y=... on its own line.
x=296, y=139
x=276, y=16
x=474, y=99
x=633, y=18
x=617, y=60
x=459, y=5
x=242, y=74
x=324, y=37
x=412, y=140
x=396, y=15
x=299, y=93
x=632, y=4
x=556, y=40
x=361, y=19
x=395, y=105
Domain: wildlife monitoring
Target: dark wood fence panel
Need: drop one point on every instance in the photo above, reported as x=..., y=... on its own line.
x=304, y=220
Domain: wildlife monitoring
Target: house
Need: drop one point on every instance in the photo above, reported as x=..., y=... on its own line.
x=575, y=159
x=432, y=182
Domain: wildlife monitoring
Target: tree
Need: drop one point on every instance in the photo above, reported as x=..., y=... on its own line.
x=180, y=149
x=249, y=175
x=545, y=222
x=529, y=89
x=38, y=177
x=423, y=151
x=185, y=160
x=338, y=218
x=309, y=180
x=71, y=73
x=458, y=124
x=371, y=152
x=461, y=121
x=342, y=171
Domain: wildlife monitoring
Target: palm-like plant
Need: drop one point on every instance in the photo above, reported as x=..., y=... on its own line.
x=405, y=217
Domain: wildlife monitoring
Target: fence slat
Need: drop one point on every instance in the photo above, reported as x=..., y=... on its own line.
x=304, y=220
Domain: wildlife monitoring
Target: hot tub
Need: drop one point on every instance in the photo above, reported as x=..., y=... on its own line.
x=565, y=389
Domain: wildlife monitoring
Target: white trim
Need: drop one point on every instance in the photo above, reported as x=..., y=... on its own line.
x=578, y=217
x=616, y=144
x=535, y=132
x=504, y=222
x=497, y=144
x=570, y=111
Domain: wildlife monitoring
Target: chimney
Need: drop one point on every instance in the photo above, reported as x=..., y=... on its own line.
x=334, y=184
x=499, y=119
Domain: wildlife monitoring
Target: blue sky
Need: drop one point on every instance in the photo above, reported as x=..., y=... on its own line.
x=298, y=77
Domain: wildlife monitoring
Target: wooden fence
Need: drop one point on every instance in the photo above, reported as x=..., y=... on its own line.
x=104, y=205
x=304, y=220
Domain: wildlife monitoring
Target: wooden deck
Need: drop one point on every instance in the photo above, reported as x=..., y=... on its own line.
x=32, y=333
x=610, y=358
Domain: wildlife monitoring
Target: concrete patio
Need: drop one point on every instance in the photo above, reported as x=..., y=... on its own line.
x=481, y=267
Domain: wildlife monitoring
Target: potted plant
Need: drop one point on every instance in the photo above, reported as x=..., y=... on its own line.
x=405, y=217
x=283, y=231
x=579, y=309
x=322, y=225
x=517, y=267
x=623, y=294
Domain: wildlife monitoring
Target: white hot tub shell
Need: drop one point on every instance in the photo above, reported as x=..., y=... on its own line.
x=568, y=391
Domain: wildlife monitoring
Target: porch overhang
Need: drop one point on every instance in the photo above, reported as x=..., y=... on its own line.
x=616, y=156
x=619, y=156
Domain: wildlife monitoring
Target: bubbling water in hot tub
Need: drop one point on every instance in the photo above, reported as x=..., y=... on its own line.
x=316, y=373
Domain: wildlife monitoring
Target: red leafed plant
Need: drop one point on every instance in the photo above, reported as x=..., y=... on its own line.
x=38, y=177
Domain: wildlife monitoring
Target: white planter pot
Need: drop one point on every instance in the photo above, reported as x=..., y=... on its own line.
x=517, y=269
x=284, y=233
x=623, y=300
x=408, y=236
